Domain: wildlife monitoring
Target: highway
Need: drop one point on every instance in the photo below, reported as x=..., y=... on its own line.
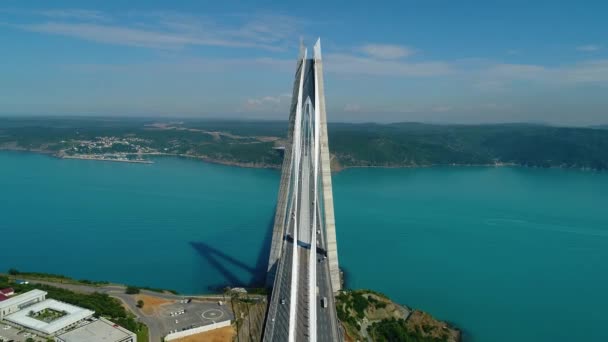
x=302, y=281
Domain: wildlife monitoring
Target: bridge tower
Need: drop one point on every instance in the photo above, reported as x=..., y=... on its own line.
x=314, y=88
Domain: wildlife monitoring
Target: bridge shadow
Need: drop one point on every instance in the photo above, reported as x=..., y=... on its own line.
x=227, y=265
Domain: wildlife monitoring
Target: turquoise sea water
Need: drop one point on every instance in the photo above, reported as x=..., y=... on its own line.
x=507, y=254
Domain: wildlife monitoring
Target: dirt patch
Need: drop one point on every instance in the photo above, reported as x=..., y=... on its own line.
x=151, y=303
x=225, y=334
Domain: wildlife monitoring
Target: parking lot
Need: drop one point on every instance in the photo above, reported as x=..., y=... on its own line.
x=8, y=333
x=180, y=316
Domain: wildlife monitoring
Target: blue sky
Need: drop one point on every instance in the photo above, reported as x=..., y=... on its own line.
x=427, y=61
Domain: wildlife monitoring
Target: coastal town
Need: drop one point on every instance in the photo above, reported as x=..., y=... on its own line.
x=120, y=149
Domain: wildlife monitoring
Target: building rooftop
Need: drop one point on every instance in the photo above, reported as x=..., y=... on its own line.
x=100, y=330
x=24, y=297
x=7, y=291
x=72, y=315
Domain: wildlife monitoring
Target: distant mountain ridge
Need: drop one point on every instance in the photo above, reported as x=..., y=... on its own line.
x=253, y=143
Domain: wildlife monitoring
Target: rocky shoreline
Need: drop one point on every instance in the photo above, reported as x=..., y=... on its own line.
x=367, y=315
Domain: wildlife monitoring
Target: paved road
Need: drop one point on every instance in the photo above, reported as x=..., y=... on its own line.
x=327, y=322
x=278, y=320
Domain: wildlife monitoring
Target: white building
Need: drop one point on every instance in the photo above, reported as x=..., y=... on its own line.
x=65, y=322
x=100, y=330
x=16, y=303
x=70, y=316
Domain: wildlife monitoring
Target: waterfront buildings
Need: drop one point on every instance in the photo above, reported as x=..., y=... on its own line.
x=49, y=318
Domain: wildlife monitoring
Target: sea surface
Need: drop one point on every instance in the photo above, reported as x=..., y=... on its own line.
x=506, y=254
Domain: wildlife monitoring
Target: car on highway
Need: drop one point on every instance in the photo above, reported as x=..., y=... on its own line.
x=324, y=302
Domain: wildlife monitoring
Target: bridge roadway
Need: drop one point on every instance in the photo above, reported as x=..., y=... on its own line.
x=278, y=320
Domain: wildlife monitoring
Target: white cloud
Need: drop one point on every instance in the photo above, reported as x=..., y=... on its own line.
x=352, y=107
x=189, y=65
x=277, y=103
x=386, y=51
x=515, y=71
x=76, y=14
x=589, y=48
x=354, y=65
x=586, y=72
x=583, y=72
x=441, y=109
x=165, y=30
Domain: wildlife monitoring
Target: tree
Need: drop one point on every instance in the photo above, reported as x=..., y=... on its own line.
x=132, y=290
x=140, y=303
x=13, y=271
x=29, y=339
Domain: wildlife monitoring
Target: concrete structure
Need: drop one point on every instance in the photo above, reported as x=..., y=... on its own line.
x=16, y=303
x=100, y=330
x=328, y=196
x=313, y=79
x=72, y=315
x=183, y=316
x=303, y=265
x=198, y=330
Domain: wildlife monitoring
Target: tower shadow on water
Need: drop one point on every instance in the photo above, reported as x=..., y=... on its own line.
x=227, y=265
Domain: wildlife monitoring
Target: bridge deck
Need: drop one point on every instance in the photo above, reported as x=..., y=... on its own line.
x=301, y=271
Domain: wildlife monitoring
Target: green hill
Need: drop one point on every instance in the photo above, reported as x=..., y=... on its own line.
x=253, y=143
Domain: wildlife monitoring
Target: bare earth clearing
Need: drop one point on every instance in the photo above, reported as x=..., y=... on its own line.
x=225, y=334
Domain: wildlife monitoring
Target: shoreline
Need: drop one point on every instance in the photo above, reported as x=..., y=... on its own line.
x=89, y=157
x=119, y=291
x=338, y=168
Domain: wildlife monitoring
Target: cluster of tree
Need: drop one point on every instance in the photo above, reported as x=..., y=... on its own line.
x=137, y=289
x=40, y=275
x=348, y=302
x=358, y=302
x=424, y=145
x=132, y=290
x=394, y=330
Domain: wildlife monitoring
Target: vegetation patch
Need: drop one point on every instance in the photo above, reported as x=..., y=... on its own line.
x=132, y=290
x=249, y=143
x=47, y=315
x=370, y=316
x=53, y=277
